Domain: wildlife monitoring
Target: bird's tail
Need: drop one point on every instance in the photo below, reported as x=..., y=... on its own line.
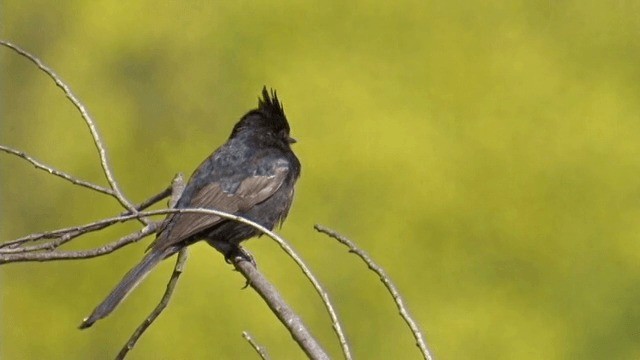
x=126, y=285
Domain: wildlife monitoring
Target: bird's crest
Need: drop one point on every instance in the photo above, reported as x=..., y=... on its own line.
x=269, y=113
x=270, y=104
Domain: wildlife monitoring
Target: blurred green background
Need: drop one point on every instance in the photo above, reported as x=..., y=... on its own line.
x=485, y=153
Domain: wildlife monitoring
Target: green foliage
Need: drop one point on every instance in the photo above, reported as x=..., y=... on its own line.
x=486, y=154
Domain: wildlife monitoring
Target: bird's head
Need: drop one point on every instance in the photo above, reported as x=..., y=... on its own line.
x=267, y=120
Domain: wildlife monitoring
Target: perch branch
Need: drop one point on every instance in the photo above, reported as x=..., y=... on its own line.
x=54, y=255
x=282, y=310
x=335, y=322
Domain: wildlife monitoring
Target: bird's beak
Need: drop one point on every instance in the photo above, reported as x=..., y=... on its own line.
x=291, y=140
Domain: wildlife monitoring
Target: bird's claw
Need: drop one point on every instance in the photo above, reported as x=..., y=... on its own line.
x=239, y=252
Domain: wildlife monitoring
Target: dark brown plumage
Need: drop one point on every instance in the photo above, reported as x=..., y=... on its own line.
x=252, y=175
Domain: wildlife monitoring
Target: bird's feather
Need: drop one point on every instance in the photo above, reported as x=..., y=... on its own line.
x=253, y=190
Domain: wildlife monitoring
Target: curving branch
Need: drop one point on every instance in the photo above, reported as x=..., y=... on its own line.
x=97, y=140
x=48, y=243
x=106, y=249
x=413, y=326
x=253, y=276
x=13, y=251
x=324, y=296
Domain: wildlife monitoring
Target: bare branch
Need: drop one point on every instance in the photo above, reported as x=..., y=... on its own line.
x=82, y=254
x=49, y=256
x=11, y=257
x=152, y=200
x=420, y=342
x=55, y=172
x=59, y=255
x=14, y=252
x=173, y=281
x=282, y=310
x=259, y=349
x=97, y=140
x=65, y=235
x=335, y=322
x=176, y=189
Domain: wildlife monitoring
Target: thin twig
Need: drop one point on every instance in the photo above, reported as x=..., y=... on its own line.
x=60, y=236
x=335, y=322
x=65, y=235
x=127, y=217
x=283, y=311
x=259, y=349
x=7, y=258
x=152, y=200
x=420, y=342
x=38, y=255
x=177, y=271
x=259, y=283
x=117, y=193
x=58, y=241
x=49, y=256
x=82, y=254
x=176, y=189
x=54, y=255
x=40, y=166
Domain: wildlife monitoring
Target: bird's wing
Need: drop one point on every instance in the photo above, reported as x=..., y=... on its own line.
x=251, y=191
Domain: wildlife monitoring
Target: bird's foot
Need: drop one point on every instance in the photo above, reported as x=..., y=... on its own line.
x=238, y=252
x=231, y=252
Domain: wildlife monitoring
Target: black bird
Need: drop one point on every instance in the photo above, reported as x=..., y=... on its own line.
x=252, y=175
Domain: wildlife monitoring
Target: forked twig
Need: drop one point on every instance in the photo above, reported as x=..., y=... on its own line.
x=117, y=193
